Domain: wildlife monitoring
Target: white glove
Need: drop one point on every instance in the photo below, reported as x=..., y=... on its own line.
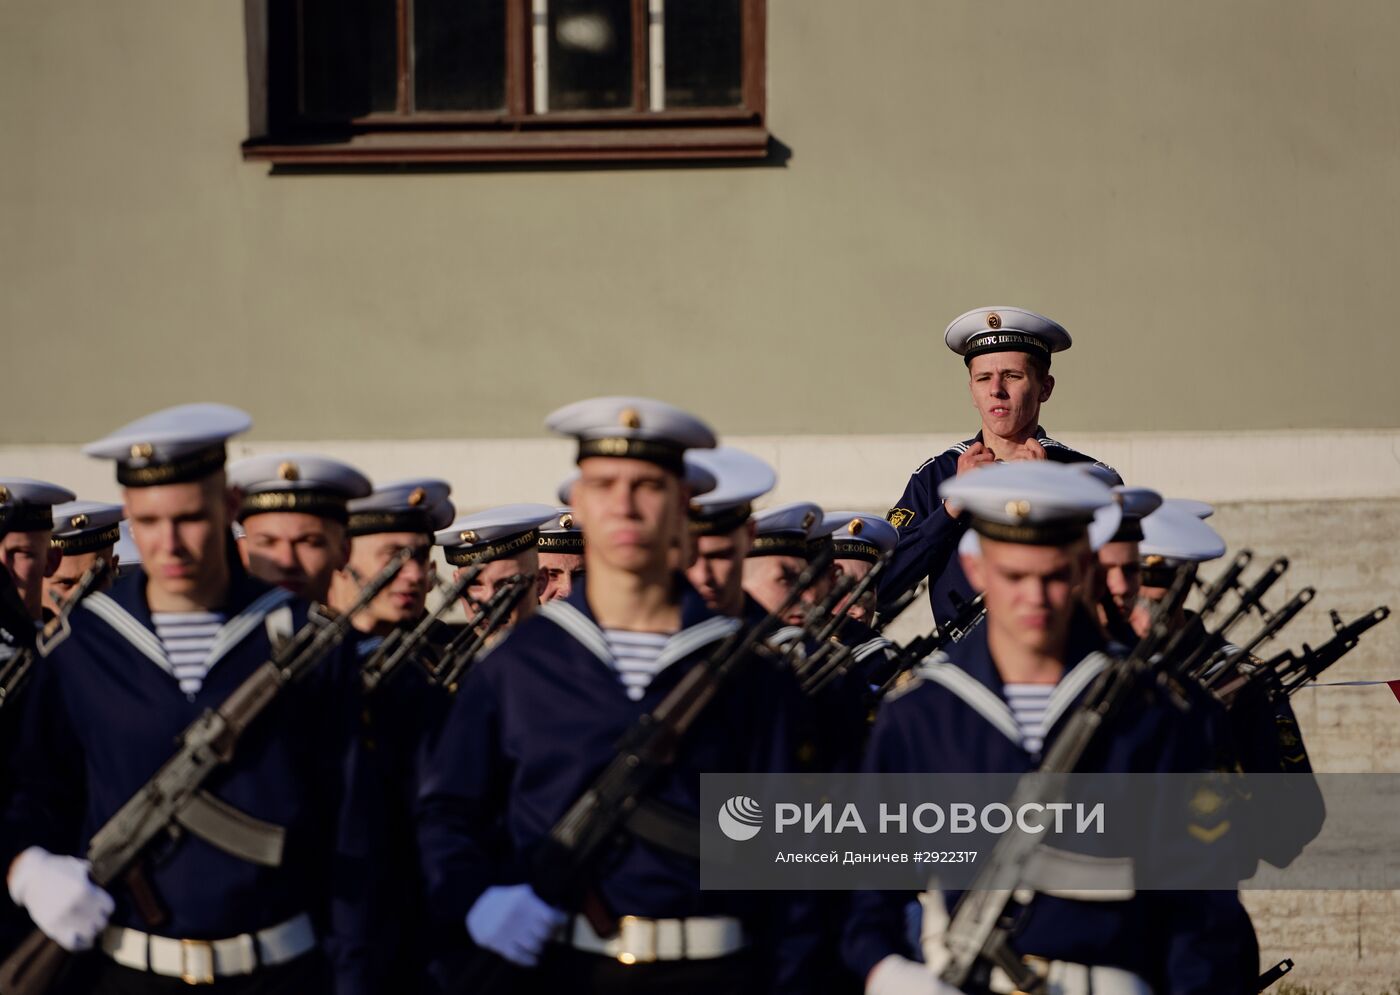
x=60, y=898
x=896, y=975
x=514, y=922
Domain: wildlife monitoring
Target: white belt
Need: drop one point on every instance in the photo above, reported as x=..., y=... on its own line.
x=1064, y=978
x=200, y=962
x=639, y=941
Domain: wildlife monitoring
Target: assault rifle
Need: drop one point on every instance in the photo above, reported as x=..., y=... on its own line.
x=564, y=865
x=1223, y=663
x=978, y=937
x=1293, y=670
x=401, y=644
x=15, y=671
x=833, y=658
x=1228, y=581
x=173, y=800
x=817, y=624
x=1250, y=599
x=462, y=652
x=968, y=616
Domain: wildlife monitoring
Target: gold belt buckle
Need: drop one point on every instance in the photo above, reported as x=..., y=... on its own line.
x=637, y=939
x=190, y=977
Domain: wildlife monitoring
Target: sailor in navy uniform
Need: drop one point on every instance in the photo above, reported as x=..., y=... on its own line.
x=560, y=550
x=541, y=715
x=722, y=528
x=138, y=666
x=84, y=533
x=1007, y=352
x=292, y=509
x=26, y=526
x=503, y=542
x=1260, y=726
x=860, y=540
x=403, y=712
x=29, y=559
x=784, y=538
x=992, y=704
x=1118, y=578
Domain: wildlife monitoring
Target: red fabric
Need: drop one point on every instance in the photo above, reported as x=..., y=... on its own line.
x=1394, y=688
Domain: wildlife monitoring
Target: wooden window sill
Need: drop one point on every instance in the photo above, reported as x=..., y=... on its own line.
x=578, y=144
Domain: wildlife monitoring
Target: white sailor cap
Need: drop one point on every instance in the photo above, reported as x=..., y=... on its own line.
x=1172, y=535
x=1038, y=503
x=86, y=526
x=1191, y=506
x=493, y=534
x=1103, y=528
x=128, y=555
x=171, y=446
x=697, y=478
x=741, y=478
x=561, y=534
x=26, y=505
x=299, y=482
x=1005, y=329
x=788, y=530
x=418, y=504
x=859, y=536
x=632, y=427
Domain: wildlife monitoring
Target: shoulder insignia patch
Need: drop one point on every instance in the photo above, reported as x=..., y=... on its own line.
x=899, y=517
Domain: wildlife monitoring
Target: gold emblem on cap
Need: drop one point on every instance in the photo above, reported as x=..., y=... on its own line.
x=809, y=519
x=467, y=536
x=1153, y=560
x=4, y=494
x=1018, y=509
x=77, y=521
x=993, y=320
x=566, y=521
x=287, y=470
x=856, y=527
x=630, y=418
x=416, y=497
x=142, y=450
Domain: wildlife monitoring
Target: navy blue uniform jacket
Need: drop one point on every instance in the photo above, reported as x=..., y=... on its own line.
x=929, y=537
x=954, y=719
x=538, y=719
x=103, y=714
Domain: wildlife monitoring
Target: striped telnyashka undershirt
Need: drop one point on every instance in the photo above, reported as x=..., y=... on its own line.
x=1029, y=703
x=187, y=638
x=634, y=655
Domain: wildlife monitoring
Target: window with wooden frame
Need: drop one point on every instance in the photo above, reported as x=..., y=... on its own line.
x=344, y=82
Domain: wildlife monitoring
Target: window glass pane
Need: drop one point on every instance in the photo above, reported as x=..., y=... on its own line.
x=459, y=55
x=704, y=53
x=349, y=63
x=590, y=54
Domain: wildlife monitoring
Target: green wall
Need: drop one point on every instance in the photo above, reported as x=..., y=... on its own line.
x=1204, y=191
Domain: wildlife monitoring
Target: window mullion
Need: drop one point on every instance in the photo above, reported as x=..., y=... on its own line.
x=656, y=54
x=403, y=96
x=539, y=54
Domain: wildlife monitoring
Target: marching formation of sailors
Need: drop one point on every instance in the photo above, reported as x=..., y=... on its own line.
x=383, y=823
